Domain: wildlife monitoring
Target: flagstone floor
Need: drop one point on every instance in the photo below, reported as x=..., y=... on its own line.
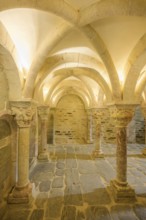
x=74, y=186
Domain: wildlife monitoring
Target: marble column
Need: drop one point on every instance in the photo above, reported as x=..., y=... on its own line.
x=97, y=116
x=121, y=115
x=143, y=108
x=89, y=126
x=43, y=112
x=23, y=112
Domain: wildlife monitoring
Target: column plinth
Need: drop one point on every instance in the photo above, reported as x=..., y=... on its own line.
x=23, y=112
x=122, y=191
x=43, y=151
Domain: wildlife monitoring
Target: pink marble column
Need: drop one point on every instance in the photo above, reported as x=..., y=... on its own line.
x=97, y=116
x=89, y=126
x=43, y=112
x=121, y=115
x=23, y=112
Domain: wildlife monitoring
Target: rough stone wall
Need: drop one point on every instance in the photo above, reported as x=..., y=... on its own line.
x=140, y=127
x=5, y=163
x=70, y=121
x=108, y=131
x=108, y=128
x=3, y=90
x=136, y=128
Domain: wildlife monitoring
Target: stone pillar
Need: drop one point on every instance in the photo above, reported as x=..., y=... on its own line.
x=122, y=115
x=43, y=151
x=23, y=112
x=89, y=126
x=53, y=110
x=97, y=115
x=143, y=108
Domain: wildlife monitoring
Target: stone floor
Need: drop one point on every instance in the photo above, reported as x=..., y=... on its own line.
x=73, y=186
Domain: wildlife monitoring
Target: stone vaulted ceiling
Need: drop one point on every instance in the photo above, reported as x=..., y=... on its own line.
x=92, y=48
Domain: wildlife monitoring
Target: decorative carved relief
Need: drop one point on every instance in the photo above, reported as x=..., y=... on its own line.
x=122, y=115
x=23, y=113
x=43, y=112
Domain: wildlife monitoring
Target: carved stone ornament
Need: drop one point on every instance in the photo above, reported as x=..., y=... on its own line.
x=43, y=112
x=23, y=112
x=121, y=114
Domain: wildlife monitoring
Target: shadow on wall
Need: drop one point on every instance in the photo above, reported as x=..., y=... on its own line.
x=136, y=128
x=7, y=162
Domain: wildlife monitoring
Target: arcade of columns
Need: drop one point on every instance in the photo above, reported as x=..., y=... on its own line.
x=23, y=112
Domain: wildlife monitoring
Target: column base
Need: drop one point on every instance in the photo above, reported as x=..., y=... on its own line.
x=20, y=195
x=144, y=151
x=122, y=192
x=97, y=154
x=43, y=156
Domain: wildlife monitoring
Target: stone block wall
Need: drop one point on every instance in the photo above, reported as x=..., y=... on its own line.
x=140, y=126
x=136, y=128
x=108, y=131
x=70, y=121
x=5, y=164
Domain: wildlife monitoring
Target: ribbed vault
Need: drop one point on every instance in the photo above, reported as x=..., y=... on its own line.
x=68, y=45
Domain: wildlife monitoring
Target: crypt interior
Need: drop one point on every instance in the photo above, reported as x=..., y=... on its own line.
x=72, y=109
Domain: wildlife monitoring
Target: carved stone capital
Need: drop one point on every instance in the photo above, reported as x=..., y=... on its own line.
x=23, y=112
x=122, y=114
x=43, y=112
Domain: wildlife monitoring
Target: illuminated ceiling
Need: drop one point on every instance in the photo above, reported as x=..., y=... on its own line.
x=53, y=53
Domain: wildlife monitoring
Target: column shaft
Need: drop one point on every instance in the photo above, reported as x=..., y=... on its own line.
x=43, y=113
x=97, y=114
x=23, y=112
x=89, y=128
x=121, y=154
x=23, y=157
x=44, y=135
x=121, y=115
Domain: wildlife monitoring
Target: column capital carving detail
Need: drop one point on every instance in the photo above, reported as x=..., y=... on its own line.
x=43, y=112
x=122, y=114
x=23, y=112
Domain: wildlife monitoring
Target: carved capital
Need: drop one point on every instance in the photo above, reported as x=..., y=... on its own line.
x=23, y=112
x=122, y=114
x=43, y=112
